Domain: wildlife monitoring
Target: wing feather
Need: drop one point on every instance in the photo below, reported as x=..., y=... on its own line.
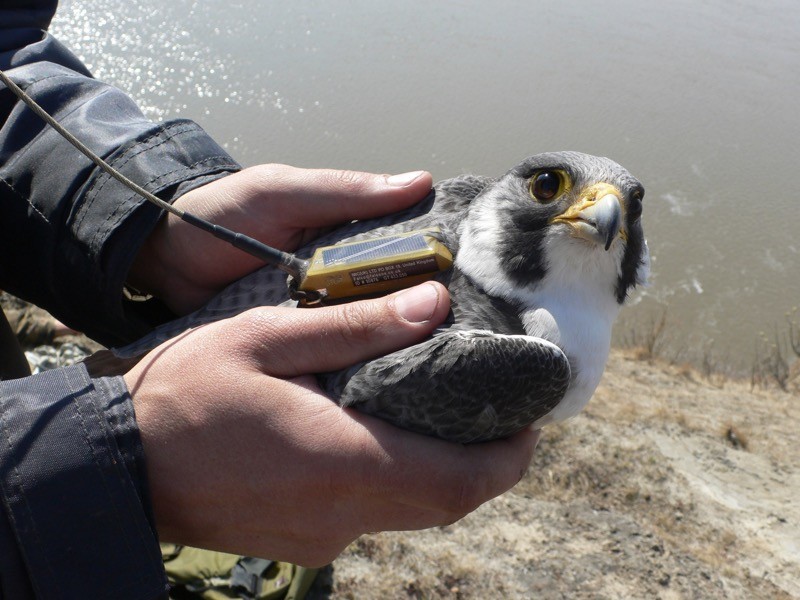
x=462, y=386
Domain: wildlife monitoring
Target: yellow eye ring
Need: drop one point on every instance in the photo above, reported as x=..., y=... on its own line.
x=548, y=184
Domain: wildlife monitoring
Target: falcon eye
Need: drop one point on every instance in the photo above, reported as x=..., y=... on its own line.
x=546, y=185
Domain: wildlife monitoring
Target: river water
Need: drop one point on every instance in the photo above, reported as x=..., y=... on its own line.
x=698, y=100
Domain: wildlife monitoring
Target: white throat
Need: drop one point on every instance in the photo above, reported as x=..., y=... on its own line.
x=574, y=306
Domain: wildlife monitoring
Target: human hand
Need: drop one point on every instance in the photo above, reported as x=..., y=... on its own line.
x=246, y=455
x=282, y=206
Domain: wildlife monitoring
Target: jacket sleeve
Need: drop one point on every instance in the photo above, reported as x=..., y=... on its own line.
x=68, y=232
x=75, y=516
x=76, y=521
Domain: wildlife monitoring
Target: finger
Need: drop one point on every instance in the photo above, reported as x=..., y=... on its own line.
x=408, y=481
x=290, y=342
x=324, y=197
x=451, y=479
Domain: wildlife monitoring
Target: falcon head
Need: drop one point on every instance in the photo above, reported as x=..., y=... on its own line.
x=557, y=218
x=559, y=237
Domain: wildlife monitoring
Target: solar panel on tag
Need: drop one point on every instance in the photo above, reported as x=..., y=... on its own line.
x=373, y=249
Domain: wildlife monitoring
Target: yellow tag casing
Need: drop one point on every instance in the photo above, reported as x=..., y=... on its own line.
x=376, y=266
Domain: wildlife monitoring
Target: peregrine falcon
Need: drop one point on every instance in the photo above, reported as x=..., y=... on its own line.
x=544, y=257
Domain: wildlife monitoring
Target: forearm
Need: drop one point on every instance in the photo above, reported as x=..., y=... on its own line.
x=68, y=232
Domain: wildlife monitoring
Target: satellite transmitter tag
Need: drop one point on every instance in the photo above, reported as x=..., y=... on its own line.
x=373, y=266
x=334, y=273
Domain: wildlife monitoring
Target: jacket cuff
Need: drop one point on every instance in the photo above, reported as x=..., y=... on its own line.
x=114, y=222
x=73, y=487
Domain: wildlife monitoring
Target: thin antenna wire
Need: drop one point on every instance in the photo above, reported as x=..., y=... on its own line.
x=282, y=260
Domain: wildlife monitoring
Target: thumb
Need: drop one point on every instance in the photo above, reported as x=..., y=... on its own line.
x=289, y=342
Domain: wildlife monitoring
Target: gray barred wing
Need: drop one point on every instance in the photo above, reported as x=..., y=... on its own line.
x=461, y=386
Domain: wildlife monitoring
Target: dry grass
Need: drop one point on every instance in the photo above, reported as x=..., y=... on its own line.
x=775, y=361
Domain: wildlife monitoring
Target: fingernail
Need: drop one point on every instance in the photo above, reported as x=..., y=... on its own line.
x=404, y=179
x=417, y=304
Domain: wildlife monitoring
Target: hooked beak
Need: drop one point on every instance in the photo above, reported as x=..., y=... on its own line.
x=597, y=217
